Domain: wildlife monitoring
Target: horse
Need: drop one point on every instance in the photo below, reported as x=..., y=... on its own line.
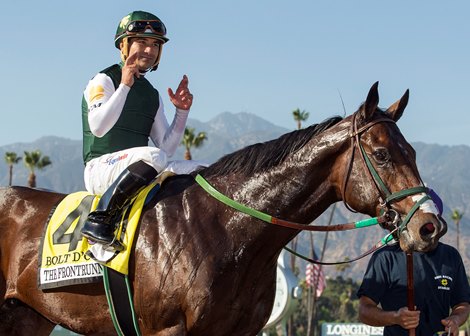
x=199, y=267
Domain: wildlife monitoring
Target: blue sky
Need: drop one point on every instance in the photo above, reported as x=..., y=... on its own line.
x=264, y=57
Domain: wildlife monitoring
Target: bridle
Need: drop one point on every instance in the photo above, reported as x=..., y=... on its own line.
x=389, y=218
x=386, y=197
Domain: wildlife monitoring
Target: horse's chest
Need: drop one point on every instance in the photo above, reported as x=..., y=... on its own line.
x=234, y=303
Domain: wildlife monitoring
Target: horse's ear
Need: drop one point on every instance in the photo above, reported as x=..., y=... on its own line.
x=371, y=103
x=396, y=110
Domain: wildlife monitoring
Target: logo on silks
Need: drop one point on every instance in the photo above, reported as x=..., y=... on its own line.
x=443, y=282
x=112, y=160
x=96, y=93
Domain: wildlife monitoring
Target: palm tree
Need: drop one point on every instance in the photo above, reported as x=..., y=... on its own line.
x=300, y=116
x=191, y=140
x=11, y=158
x=34, y=160
x=457, y=217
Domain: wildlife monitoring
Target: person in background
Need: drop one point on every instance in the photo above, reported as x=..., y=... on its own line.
x=442, y=292
x=121, y=111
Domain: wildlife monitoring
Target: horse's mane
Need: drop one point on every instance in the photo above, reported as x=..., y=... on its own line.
x=262, y=156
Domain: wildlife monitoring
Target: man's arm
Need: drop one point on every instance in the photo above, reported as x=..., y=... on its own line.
x=105, y=103
x=168, y=137
x=372, y=315
x=458, y=317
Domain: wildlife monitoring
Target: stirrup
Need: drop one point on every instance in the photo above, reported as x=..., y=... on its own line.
x=114, y=245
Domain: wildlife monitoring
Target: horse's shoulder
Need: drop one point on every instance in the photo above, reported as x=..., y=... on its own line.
x=169, y=198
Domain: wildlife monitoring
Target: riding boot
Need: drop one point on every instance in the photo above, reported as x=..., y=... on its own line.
x=101, y=223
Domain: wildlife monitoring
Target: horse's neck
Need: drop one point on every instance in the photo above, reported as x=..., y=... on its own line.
x=299, y=190
x=304, y=185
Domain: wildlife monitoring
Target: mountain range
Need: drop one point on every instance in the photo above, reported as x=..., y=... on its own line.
x=444, y=168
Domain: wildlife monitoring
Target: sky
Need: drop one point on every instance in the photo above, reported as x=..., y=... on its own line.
x=265, y=57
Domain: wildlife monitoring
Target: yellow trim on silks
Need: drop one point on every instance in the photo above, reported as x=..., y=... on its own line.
x=96, y=92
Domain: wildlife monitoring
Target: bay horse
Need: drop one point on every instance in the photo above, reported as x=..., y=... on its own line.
x=200, y=267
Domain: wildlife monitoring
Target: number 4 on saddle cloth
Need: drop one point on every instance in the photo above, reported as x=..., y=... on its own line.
x=64, y=256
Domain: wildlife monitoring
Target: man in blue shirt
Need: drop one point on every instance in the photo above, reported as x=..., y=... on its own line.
x=442, y=292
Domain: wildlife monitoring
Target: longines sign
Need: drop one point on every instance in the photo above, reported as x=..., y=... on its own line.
x=350, y=329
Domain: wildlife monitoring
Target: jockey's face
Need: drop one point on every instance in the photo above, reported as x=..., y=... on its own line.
x=147, y=50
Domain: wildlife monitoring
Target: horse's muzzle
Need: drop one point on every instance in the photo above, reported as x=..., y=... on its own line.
x=423, y=233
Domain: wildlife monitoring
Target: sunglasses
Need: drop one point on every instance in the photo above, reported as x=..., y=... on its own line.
x=141, y=26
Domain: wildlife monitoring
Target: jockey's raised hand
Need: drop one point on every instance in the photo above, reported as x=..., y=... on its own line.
x=182, y=98
x=129, y=70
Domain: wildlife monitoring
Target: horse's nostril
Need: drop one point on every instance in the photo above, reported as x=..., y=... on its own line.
x=427, y=229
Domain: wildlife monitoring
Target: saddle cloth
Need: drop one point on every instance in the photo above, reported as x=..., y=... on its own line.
x=63, y=260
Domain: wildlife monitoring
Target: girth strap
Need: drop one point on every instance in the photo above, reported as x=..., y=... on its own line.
x=119, y=297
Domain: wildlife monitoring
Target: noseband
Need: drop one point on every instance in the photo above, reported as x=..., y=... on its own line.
x=386, y=197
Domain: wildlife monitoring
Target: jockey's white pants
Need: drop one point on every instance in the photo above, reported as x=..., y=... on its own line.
x=101, y=172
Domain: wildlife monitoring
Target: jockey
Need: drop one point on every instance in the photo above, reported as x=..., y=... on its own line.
x=121, y=110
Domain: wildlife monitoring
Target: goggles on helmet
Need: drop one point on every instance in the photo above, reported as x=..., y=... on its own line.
x=156, y=27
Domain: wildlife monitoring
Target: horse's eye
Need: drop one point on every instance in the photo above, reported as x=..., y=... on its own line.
x=381, y=155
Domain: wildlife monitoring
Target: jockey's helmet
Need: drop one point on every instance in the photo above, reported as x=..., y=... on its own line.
x=140, y=24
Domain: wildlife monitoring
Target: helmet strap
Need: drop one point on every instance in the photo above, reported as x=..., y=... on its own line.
x=155, y=66
x=125, y=49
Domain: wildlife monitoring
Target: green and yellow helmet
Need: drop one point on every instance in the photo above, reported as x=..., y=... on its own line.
x=139, y=24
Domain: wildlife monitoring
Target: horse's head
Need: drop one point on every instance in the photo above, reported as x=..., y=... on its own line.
x=381, y=177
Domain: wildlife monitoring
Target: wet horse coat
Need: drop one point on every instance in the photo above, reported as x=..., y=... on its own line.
x=200, y=267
